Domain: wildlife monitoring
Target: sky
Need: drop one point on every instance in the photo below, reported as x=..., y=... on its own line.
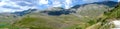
x=20, y=5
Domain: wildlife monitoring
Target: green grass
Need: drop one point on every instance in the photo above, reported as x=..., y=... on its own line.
x=40, y=21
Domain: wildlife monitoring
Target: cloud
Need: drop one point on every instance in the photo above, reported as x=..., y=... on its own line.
x=24, y=3
x=10, y=7
x=43, y=1
x=8, y=3
x=16, y=5
x=5, y=6
x=89, y=1
x=67, y=4
x=118, y=0
x=20, y=5
x=7, y=10
x=56, y=4
x=2, y=3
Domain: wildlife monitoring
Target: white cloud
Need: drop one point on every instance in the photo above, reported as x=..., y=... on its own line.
x=57, y=4
x=8, y=3
x=7, y=10
x=43, y=1
x=13, y=4
x=28, y=3
x=67, y=4
x=68, y=1
x=89, y=1
x=38, y=4
x=2, y=3
x=26, y=7
x=118, y=0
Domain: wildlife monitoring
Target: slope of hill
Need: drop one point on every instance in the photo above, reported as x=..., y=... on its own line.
x=90, y=16
x=71, y=21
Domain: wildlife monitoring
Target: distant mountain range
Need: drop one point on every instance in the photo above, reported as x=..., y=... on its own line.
x=24, y=12
x=107, y=3
x=91, y=16
x=59, y=10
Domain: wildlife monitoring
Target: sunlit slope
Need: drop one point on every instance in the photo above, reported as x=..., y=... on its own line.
x=115, y=13
x=53, y=22
x=106, y=19
x=83, y=19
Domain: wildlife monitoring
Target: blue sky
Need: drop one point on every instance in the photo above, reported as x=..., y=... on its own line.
x=20, y=5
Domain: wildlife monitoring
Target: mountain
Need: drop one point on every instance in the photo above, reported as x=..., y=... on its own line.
x=24, y=12
x=93, y=9
x=59, y=11
x=42, y=21
x=107, y=3
x=114, y=13
x=89, y=16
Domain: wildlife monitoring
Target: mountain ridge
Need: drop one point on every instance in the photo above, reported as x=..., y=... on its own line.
x=72, y=9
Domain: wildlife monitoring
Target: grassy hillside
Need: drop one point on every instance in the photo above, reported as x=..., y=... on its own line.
x=71, y=21
x=54, y=22
x=92, y=10
x=90, y=18
x=114, y=13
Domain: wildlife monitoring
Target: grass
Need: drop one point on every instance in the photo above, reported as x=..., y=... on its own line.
x=40, y=21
